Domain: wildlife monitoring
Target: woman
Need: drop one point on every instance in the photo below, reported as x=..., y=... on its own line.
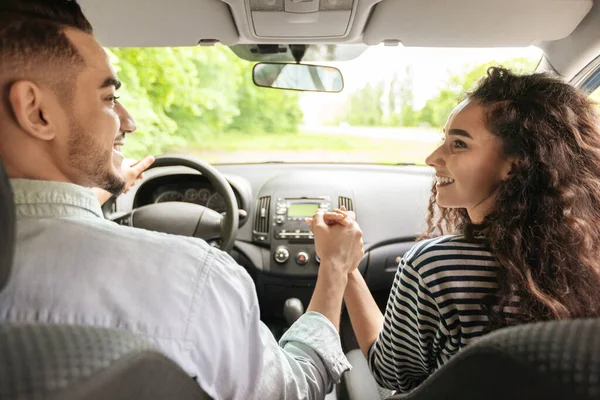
x=514, y=229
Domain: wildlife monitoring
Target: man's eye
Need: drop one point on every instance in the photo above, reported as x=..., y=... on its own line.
x=459, y=144
x=113, y=99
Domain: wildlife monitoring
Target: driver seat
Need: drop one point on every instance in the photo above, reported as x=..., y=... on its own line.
x=78, y=362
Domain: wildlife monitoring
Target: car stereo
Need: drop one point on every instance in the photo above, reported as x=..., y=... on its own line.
x=290, y=214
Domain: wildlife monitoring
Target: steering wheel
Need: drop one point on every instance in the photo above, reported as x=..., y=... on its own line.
x=187, y=219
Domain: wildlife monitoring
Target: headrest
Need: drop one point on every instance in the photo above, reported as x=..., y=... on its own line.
x=7, y=227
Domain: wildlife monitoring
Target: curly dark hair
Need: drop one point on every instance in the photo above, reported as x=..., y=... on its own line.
x=545, y=228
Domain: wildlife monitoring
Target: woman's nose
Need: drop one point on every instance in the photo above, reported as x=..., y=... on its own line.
x=436, y=158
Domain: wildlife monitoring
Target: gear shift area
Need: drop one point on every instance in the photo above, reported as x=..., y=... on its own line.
x=292, y=310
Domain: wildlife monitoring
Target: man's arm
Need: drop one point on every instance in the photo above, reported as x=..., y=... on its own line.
x=237, y=356
x=364, y=313
x=338, y=242
x=102, y=195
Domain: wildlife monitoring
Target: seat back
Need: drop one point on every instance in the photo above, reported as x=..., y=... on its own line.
x=78, y=362
x=547, y=360
x=7, y=227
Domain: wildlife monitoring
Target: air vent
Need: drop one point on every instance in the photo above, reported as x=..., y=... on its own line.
x=263, y=212
x=346, y=202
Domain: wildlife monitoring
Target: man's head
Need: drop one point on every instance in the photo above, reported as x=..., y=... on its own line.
x=59, y=117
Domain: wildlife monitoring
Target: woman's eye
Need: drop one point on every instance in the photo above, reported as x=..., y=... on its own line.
x=459, y=144
x=113, y=99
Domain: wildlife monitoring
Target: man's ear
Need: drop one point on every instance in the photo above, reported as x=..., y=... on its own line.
x=28, y=106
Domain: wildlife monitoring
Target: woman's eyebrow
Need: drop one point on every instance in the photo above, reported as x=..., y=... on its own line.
x=460, y=132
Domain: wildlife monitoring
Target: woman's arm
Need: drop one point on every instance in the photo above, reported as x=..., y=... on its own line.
x=365, y=316
x=340, y=247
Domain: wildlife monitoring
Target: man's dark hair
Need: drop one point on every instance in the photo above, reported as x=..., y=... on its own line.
x=33, y=44
x=62, y=12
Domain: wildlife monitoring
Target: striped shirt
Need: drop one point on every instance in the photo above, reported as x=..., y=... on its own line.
x=434, y=309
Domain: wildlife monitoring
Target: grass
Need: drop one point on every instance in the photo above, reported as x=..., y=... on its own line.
x=308, y=147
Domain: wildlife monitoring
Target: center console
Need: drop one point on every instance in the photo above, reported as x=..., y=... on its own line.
x=280, y=223
x=293, y=240
x=289, y=264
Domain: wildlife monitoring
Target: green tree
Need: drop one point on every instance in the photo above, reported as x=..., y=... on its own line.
x=436, y=110
x=402, y=91
x=181, y=96
x=364, y=107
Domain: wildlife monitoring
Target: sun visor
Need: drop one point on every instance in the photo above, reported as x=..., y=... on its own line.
x=473, y=23
x=155, y=23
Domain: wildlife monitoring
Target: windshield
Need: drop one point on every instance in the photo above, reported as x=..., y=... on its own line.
x=202, y=102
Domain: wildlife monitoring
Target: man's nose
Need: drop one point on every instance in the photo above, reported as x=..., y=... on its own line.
x=128, y=124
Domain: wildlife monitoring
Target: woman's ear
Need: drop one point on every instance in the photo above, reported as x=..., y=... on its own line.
x=26, y=101
x=512, y=166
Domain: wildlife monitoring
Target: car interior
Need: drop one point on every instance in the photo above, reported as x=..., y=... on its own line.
x=256, y=210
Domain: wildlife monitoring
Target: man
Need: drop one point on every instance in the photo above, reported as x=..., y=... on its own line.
x=61, y=129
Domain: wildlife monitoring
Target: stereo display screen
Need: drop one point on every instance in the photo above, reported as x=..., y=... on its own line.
x=302, y=209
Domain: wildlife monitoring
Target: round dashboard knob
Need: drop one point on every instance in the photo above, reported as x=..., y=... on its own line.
x=280, y=219
x=281, y=255
x=301, y=258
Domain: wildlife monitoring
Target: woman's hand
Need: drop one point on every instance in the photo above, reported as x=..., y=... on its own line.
x=338, y=239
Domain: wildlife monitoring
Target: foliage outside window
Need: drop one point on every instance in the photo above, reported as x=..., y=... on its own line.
x=202, y=102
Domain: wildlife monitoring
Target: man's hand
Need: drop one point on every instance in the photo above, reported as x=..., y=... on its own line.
x=133, y=170
x=338, y=239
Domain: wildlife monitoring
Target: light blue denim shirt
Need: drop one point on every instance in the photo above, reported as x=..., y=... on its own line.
x=192, y=301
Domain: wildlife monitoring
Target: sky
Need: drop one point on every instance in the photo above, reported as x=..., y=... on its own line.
x=430, y=68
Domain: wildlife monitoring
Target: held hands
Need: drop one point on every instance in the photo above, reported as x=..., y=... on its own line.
x=338, y=239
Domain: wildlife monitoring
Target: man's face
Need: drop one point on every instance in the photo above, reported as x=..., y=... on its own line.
x=94, y=122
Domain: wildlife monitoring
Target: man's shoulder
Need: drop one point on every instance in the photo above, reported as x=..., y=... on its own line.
x=154, y=241
x=181, y=250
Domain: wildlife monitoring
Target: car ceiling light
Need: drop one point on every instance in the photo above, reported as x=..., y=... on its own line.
x=332, y=5
x=267, y=5
x=300, y=6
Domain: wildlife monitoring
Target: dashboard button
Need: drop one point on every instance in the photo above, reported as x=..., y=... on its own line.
x=281, y=255
x=302, y=258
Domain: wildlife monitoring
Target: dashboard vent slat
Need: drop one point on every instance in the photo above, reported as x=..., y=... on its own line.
x=346, y=202
x=263, y=212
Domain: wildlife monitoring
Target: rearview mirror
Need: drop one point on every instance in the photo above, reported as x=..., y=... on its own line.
x=312, y=78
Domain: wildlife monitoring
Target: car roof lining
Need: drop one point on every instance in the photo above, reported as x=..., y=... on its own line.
x=567, y=30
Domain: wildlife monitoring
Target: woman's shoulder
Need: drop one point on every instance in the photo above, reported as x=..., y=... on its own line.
x=445, y=249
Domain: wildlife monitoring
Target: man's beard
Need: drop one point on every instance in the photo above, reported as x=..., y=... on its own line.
x=93, y=164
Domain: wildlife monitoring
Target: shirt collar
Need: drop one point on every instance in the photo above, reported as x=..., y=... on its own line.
x=39, y=199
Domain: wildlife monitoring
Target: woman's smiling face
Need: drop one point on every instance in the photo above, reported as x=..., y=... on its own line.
x=470, y=163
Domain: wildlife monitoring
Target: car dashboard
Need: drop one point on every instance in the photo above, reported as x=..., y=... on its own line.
x=274, y=243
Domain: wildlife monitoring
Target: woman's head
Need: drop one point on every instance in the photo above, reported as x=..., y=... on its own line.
x=530, y=173
x=471, y=163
